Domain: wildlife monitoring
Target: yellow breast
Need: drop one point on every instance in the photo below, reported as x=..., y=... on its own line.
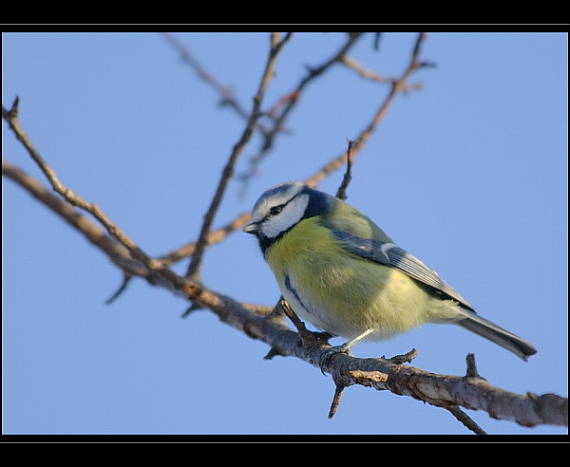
x=344, y=293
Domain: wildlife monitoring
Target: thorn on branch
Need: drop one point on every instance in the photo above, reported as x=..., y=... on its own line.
x=417, y=46
x=471, y=367
x=272, y=353
x=376, y=43
x=404, y=358
x=191, y=309
x=309, y=68
x=124, y=284
x=467, y=421
x=336, y=400
x=415, y=63
x=13, y=111
x=341, y=192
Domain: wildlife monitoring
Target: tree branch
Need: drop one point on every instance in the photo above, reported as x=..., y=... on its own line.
x=213, y=238
x=382, y=374
x=395, y=375
x=291, y=100
x=333, y=165
x=276, y=46
x=341, y=192
x=365, y=73
x=11, y=116
x=360, y=141
x=124, y=284
x=92, y=232
x=227, y=97
x=466, y=420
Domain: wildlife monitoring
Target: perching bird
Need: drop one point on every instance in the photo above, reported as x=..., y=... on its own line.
x=338, y=270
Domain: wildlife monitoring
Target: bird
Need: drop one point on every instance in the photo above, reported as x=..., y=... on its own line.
x=341, y=272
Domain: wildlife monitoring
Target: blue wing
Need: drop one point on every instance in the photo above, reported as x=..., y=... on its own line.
x=389, y=254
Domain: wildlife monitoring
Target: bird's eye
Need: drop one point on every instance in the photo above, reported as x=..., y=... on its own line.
x=276, y=210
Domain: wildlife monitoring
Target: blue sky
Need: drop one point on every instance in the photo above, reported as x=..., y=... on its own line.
x=469, y=174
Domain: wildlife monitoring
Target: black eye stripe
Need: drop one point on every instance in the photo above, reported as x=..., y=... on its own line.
x=277, y=209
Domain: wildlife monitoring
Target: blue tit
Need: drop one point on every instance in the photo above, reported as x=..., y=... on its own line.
x=338, y=270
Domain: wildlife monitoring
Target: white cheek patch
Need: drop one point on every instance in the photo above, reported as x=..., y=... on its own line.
x=291, y=214
x=277, y=195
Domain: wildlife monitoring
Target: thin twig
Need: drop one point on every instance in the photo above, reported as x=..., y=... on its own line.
x=376, y=43
x=193, y=290
x=11, y=116
x=365, y=73
x=214, y=237
x=225, y=92
x=276, y=46
x=466, y=420
x=471, y=367
x=338, y=389
x=382, y=374
x=291, y=101
x=341, y=192
x=191, y=309
x=273, y=352
x=365, y=134
x=404, y=358
x=280, y=105
x=439, y=390
x=92, y=231
x=313, y=180
x=124, y=284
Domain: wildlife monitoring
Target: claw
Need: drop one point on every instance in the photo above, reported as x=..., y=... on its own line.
x=344, y=348
x=331, y=352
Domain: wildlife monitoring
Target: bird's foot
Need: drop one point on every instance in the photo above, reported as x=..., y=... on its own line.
x=341, y=349
x=329, y=353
